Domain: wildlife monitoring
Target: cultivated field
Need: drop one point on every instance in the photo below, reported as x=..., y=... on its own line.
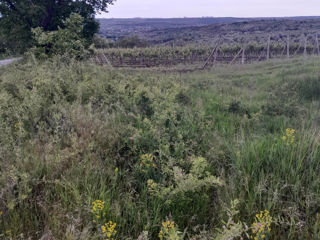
x=93, y=152
x=204, y=56
x=207, y=31
x=206, y=42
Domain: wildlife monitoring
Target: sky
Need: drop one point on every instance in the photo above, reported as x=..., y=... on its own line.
x=212, y=8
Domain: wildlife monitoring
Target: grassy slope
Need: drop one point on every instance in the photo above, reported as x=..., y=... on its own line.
x=73, y=134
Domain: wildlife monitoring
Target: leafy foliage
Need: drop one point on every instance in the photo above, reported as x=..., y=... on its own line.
x=68, y=41
x=19, y=17
x=199, y=179
x=101, y=42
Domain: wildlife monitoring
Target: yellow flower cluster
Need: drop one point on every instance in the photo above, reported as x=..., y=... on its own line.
x=109, y=230
x=261, y=226
x=8, y=233
x=147, y=162
x=97, y=208
x=1, y=213
x=289, y=137
x=167, y=227
x=17, y=126
x=153, y=187
x=151, y=184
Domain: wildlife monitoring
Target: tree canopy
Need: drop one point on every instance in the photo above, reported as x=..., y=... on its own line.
x=18, y=17
x=67, y=41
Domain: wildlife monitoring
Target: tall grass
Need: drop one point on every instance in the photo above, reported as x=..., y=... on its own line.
x=71, y=134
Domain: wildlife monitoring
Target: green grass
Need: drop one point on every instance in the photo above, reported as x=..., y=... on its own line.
x=74, y=133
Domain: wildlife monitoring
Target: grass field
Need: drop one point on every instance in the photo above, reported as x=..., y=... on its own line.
x=88, y=152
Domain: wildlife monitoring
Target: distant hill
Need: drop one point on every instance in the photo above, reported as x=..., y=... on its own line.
x=181, y=31
x=121, y=27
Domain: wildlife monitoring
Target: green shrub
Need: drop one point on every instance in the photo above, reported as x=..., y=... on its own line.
x=131, y=42
x=102, y=42
x=68, y=41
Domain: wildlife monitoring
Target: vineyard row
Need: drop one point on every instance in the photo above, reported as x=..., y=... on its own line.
x=170, y=56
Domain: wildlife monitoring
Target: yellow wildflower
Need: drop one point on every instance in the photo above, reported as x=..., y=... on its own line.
x=261, y=226
x=289, y=138
x=167, y=227
x=97, y=208
x=8, y=232
x=17, y=125
x=109, y=230
x=147, y=162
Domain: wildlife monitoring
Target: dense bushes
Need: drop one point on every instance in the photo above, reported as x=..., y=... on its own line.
x=87, y=153
x=131, y=42
x=68, y=41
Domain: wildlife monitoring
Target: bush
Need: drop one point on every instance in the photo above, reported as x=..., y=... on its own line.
x=101, y=42
x=68, y=41
x=131, y=42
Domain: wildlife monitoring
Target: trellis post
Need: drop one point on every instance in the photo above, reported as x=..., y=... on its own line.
x=243, y=60
x=268, y=47
x=317, y=44
x=288, y=46
x=305, y=46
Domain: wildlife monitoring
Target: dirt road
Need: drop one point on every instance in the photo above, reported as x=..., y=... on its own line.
x=7, y=61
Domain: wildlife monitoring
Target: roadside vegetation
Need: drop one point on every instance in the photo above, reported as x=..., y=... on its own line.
x=88, y=152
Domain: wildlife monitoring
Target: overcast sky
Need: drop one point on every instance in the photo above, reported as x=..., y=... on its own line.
x=212, y=8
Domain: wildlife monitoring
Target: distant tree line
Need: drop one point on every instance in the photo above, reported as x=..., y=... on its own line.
x=132, y=41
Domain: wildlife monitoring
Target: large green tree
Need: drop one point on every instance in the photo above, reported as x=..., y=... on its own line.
x=18, y=17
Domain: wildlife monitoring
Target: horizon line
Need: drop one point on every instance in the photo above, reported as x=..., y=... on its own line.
x=298, y=16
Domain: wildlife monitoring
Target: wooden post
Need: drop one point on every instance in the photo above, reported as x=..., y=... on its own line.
x=305, y=46
x=107, y=60
x=317, y=44
x=288, y=46
x=215, y=56
x=298, y=49
x=284, y=49
x=236, y=56
x=268, y=47
x=208, y=59
x=210, y=56
x=243, y=60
